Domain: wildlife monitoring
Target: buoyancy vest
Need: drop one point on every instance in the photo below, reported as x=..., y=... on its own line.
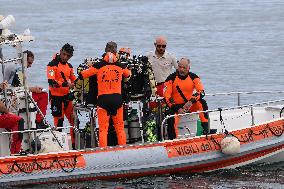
x=186, y=85
x=109, y=74
x=58, y=75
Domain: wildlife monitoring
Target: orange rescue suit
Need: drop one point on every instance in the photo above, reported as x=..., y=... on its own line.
x=110, y=74
x=181, y=89
x=59, y=74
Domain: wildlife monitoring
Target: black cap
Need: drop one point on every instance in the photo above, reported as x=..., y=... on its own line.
x=68, y=48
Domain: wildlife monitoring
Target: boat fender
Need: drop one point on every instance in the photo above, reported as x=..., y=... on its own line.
x=230, y=145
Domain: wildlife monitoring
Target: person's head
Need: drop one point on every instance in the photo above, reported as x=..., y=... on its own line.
x=160, y=44
x=30, y=58
x=66, y=52
x=124, y=52
x=183, y=66
x=111, y=47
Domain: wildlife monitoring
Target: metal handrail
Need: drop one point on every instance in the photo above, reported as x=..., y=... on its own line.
x=238, y=93
x=216, y=110
x=185, y=114
x=35, y=130
x=10, y=60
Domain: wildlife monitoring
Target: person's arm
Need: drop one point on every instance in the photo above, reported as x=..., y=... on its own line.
x=199, y=90
x=88, y=72
x=3, y=108
x=168, y=89
x=51, y=72
x=72, y=76
x=126, y=74
x=168, y=92
x=36, y=89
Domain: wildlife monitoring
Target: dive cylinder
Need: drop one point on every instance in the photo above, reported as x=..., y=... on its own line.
x=134, y=127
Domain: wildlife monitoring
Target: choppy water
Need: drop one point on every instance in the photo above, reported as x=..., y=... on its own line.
x=234, y=45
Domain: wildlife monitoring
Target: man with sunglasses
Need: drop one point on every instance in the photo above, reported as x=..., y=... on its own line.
x=163, y=63
x=13, y=75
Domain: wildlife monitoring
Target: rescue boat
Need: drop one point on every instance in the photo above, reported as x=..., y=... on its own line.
x=240, y=135
x=247, y=134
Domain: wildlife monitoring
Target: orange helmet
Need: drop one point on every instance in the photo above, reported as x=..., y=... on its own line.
x=124, y=50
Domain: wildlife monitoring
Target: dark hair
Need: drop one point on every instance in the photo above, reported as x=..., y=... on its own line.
x=111, y=47
x=68, y=48
x=29, y=53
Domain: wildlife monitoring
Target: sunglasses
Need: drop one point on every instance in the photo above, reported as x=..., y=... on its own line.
x=163, y=46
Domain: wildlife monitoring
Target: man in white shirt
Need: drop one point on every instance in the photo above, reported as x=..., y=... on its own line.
x=163, y=63
x=13, y=75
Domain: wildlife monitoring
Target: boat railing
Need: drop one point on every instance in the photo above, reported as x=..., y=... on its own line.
x=35, y=136
x=162, y=126
x=238, y=94
x=251, y=106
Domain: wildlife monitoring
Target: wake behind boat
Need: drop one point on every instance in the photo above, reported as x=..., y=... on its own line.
x=241, y=135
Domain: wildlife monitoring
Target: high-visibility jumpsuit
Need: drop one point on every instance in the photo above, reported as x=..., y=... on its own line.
x=180, y=89
x=58, y=75
x=109, y=74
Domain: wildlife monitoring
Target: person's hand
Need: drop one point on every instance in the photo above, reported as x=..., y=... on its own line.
x=70, y=85
x=181, y=111
x=36, y=89
x=4, y=85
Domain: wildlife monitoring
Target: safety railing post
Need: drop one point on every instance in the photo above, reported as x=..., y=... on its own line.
x=239, y=99
x=77, y=135
x=252, y=115
x=93, y=127
x=35, y=139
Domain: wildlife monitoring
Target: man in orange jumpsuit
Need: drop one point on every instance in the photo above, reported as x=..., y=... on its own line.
x=110, y=74
x=180, y=97
x=61, y=78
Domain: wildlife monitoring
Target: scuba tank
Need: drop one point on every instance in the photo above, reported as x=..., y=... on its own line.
x=134, y=127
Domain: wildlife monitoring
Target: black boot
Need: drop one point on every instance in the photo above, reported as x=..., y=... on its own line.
x=205, y=127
